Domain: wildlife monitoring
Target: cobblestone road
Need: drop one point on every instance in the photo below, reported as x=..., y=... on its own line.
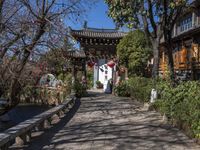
x=104, y=122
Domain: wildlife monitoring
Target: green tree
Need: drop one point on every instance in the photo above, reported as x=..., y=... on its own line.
x=155, y=17
x=134, y=52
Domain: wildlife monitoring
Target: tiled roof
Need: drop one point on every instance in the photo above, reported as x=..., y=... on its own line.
x=98, y=33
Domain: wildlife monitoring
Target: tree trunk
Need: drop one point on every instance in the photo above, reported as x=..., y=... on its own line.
x=15, y=86
x=155, y=69
x=170, y=61
x=193, y=70
x=1, y=8
x=169, y=49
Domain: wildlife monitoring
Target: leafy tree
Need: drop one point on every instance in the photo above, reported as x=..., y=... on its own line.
x=134, y=52
x=155, y=17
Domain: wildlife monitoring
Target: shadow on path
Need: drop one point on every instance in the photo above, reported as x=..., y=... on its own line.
x=44, y=138
x=105, y=122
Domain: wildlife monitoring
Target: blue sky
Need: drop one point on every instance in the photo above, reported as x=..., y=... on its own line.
x=96, y=17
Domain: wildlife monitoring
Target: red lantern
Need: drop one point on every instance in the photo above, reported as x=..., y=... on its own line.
x=111, y=64
x=90, y=64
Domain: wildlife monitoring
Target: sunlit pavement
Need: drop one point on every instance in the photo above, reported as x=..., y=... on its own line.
x=105, y=122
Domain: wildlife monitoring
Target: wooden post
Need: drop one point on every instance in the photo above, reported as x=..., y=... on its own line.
x=175, y=30
x=193, y=19
x=84, y=74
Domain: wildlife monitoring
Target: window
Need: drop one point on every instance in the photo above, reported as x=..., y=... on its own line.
x=186, y=23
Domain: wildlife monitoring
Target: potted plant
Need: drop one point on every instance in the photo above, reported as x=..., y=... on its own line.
x=99, y=85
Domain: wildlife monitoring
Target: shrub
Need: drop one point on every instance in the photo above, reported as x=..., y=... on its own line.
x=90, y=79
x=181, y=103
x=122, y=89
x=79, y=89
x=99, y=84
x=140, y=88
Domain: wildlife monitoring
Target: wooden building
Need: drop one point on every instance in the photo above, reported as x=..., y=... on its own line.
x=186, y=40
x=99, y=46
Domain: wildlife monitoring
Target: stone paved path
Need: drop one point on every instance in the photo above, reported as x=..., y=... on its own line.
x=105, y=122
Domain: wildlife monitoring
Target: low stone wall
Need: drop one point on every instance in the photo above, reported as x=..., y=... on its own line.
x=21, y=133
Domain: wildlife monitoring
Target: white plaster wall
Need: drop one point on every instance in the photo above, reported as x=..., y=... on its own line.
x=102, y=73
x=102, y=62
x=99, y=75
x=110, y=70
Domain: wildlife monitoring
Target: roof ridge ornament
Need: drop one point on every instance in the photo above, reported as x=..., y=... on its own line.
x=85, y=25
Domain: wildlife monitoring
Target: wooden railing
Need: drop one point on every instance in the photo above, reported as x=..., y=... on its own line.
x=21, y=133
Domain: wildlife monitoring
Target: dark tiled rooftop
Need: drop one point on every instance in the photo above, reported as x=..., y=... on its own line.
x=98, y=33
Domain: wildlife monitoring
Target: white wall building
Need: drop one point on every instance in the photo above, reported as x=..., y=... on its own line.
x=102, y=72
